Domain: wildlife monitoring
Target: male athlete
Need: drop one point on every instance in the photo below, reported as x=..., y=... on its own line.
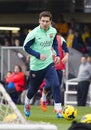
x=38, y=44
x=60, y=68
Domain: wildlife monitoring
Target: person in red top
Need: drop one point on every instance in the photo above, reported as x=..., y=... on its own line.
x=60, y=68
x=63, y=57
x=15, y=81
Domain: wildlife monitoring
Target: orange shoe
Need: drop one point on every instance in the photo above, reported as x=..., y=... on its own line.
x=54, y=110
x=43, y=105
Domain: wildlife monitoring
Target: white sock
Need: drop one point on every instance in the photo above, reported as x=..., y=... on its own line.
x=27, y=100
x=43, y=98
x=54, y=106
x=57, y=107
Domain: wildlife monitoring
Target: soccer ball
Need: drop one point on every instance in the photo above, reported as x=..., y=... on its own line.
x=86, y=118
x=69, y=112
x=10, y=118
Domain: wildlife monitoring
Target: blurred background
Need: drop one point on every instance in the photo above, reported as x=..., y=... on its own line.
x=24, y=14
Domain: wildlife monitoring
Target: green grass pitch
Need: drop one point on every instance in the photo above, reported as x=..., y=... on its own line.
x=62, y=124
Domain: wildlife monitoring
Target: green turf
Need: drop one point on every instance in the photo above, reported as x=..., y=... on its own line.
x=50, y=117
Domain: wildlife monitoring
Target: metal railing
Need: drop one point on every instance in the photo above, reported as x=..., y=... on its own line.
x=9, y=57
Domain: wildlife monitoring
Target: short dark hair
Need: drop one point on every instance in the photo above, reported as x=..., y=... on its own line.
x=45, y=14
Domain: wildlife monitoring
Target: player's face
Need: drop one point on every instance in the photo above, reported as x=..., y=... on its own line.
x=45, y=22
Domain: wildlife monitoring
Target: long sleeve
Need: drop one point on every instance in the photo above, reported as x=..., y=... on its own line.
x=55, y=46
x=28, y=49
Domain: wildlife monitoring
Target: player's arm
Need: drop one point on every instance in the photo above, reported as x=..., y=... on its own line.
x=65, y=48
x=55, y=47
x=28, y=49
x=64, y=45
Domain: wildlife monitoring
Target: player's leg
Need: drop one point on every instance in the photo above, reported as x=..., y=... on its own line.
x=43, y=104
x=36, y=78
x=60, y=75
x=46, y=90
x=43, y=100
x=52, y=80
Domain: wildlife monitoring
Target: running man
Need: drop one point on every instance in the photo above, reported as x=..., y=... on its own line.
x=60, y=68
x=38, y=44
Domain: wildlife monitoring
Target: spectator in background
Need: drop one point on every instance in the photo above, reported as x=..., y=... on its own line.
x=72, y=23
x=8, y=74
x=18, y=37
x=78, y=43
x=6, y=42
x=84, y=76
x=85, y=34
x=15, y=82
x=75, y=25
x=70, y=38
x=89, y=59
x=62, y=26
x=88, y=44
x=17, y=42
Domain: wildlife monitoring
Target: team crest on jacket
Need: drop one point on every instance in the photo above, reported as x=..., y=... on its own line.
x=51, y=35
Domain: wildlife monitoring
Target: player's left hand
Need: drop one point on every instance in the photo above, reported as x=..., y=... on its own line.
x=65, y=59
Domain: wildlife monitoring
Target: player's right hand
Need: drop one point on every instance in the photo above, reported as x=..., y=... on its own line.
x=42, y=56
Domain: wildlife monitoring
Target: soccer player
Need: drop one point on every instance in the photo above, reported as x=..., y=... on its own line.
x=60, y=68
x=38, y=44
